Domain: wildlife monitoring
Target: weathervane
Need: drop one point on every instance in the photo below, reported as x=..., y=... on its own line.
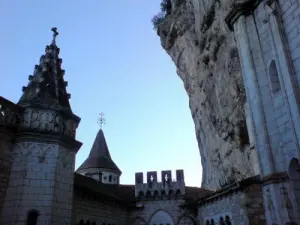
x=101, y=120
x=55, y=33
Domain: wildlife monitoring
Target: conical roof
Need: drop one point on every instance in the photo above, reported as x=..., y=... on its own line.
x=99, y=156
x=46, y=87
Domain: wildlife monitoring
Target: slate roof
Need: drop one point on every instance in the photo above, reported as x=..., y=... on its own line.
x=123, y=194
x=99, y=156
x=194, y=193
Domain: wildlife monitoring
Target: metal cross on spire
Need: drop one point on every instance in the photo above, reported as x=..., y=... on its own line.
x=55, y=33
x=101, y=120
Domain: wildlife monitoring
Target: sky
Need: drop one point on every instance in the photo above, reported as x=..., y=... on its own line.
x=114, y=64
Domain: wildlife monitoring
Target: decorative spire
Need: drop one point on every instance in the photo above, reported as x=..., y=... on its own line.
x=46, y=86
x=99, y=156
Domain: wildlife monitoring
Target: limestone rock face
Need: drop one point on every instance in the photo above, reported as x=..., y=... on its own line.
x=199, y=42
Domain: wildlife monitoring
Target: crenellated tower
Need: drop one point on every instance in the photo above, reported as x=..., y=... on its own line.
x=152, y=189
x=40, y=186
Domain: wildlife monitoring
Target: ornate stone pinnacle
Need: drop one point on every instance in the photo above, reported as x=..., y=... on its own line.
x=55, y=33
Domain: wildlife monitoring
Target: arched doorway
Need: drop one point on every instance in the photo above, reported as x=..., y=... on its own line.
x=185, y=220
x=161, y=218
x=294, y=175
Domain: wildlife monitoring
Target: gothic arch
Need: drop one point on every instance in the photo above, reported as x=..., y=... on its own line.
x=32, y=217
x=186, y=219
x=294, y=175
x=161, y=217
x=138, y=221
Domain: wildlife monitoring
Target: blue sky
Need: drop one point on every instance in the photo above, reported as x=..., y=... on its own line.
x=114, y=63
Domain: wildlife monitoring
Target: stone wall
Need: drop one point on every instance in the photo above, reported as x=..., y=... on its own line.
x=87, y=208
x=34, y=183
x=8, y=120
x=162, y=212
x=5, y=163
x=270, y=74
x=63, y=189
x=291, y=23
x=240, y=207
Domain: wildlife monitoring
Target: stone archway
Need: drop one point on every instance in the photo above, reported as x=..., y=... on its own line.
x=161, y=218
x=186, y=220
x=294, y=175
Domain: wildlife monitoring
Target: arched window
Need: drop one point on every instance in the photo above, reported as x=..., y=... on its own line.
x=161, y=218
x=109, y=178
x=274, y=78
x=94, y=223
x=207, y=222
x=32, y=217
x=212, y=222
x=88, y=222
x=221, y=221
x=227, y=220
x=81, y=222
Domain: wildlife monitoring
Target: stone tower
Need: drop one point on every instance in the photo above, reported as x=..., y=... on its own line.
x=99, y=164
x=267, y=37
x=40, y=186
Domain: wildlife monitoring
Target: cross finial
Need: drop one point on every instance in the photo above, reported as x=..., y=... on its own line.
x=151, y=178
x=101, y=120
x=55, y=33
x=166, y=177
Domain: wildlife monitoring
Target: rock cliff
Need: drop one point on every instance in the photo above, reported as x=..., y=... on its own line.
x=197, y=39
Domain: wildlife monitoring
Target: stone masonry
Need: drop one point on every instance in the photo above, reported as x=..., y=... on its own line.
x=87, y=208
x=272, y=94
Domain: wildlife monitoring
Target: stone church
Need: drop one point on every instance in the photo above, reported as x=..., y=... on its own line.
x=38, y=185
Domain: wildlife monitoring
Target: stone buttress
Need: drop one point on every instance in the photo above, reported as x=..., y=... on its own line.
x=266, y=36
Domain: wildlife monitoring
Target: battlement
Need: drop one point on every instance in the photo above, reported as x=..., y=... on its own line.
x=167, y=187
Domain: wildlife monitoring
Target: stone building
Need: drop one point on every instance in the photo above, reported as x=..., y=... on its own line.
x=38, y=145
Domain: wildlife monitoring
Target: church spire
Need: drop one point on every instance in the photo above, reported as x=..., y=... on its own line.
x=99, y=156
x=46, y=87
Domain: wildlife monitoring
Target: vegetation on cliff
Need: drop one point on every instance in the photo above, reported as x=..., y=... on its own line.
x=165, y=9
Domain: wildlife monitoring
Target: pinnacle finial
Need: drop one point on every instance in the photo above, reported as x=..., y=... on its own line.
x=55, y=33
x=101, y=120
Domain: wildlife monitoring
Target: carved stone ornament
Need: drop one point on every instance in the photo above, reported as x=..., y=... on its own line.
x=42, y=156
x=239, y=8
x=48, y=122
x=65, y=158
